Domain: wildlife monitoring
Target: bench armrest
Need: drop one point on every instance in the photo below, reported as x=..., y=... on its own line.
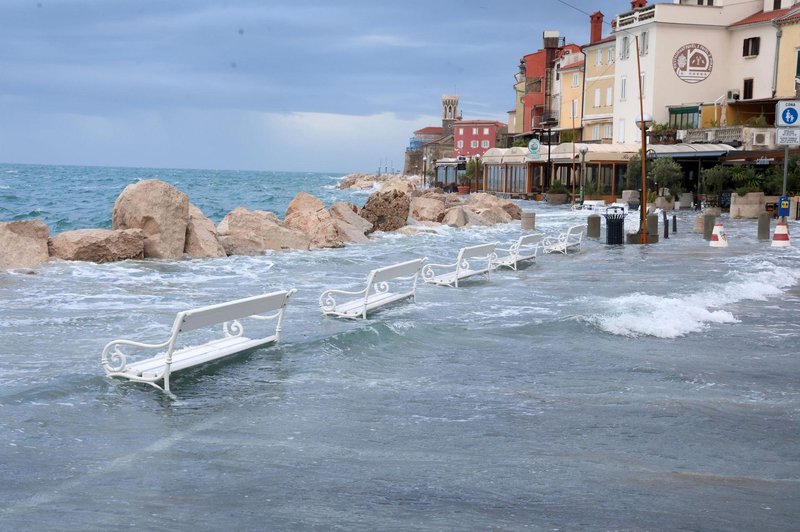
x=114, y=360
x=327, y=299
x=427, y=270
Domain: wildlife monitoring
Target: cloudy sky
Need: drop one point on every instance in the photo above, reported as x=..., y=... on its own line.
x=313, y=85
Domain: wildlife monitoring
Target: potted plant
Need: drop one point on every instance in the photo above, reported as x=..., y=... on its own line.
x=557, y=193
x=464, y=183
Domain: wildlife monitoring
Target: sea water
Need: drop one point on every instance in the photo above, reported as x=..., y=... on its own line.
x=618, y=388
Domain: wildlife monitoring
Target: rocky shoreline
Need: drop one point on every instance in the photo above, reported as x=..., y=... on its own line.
x=153, y=219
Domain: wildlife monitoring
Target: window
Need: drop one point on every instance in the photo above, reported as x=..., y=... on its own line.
x=575, y=79
x=597, y=97
x=621, y=130
x=707, y=2
x=623, y=88
x=626, y=48
x=460, y=144
x=797, y=69
x=596, y=132
x=473, y=144
x=747, y=93
x=751, y=46
x=776, y=4
x=474, y=130
x=610, y=55
x=461, y=131
x=610, y=96
x=484, y=144
x=599, y=58
x=607, y=130
x=486, y=131
x=644, y=42
x=558, y=75
x=684, y=117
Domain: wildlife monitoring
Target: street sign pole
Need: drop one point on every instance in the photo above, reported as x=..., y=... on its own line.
x=787, y=114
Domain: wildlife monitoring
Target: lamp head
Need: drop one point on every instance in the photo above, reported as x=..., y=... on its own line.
x=583, y=149
x=644, y=121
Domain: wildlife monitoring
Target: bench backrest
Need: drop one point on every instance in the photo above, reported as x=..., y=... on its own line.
x=529, y=240
x=575, y=233
x=190, y=320
x=402, y=269
x=481, y=250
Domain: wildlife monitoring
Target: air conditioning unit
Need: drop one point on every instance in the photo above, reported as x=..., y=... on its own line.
x=762, y=138
x=733, y=95
x=680, y=134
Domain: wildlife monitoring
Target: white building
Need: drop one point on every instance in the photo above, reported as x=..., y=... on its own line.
x=695, y=53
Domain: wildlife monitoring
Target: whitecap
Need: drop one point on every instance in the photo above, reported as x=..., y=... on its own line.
x=675, y=316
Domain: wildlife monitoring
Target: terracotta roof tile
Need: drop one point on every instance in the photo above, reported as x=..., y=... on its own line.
x=762, y=16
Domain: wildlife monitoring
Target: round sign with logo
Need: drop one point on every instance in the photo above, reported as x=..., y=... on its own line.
x=533, y=146
x=693, y=63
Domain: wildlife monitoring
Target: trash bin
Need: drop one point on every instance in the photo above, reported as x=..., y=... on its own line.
x=615, y=225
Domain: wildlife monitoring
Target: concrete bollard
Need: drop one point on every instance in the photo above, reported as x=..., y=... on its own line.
x=652, y=228
x=528, y=221
x=698, y=224
x=709, y=220
x=593, y=226
x=763, y=226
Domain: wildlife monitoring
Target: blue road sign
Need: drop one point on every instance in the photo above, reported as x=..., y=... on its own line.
x=789, y=116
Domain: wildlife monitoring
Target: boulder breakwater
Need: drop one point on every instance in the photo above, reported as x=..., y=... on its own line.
x=152, y=219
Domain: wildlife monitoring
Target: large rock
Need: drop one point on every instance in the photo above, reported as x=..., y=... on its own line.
x=160, y=210
x=387, y=211
x=98, y=245
x=427, y=209
x=399, y=184
x=23, y=244
x=308, y=215
x=491, y=216
x=351, y=226
x=201, y=236
x=244, y=232
x=482, y=201
x=455, y=217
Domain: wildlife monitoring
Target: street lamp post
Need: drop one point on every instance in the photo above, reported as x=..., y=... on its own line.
x=548, y=123
x=643, y=122
x=424, y=171
x=583, y=149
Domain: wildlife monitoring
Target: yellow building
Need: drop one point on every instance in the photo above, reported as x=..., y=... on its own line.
x=598, y=95
x=571, y=105
x=788, y=76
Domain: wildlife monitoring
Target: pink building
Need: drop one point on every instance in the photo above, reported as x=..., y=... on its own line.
x=474, y=137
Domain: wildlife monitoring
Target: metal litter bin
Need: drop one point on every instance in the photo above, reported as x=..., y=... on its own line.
x=615, y=225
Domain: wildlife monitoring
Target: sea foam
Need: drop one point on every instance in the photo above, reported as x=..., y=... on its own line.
x=678, y=315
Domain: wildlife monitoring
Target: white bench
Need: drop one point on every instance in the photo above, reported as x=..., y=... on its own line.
x=377, y=292
x=524, y=249
x=463, y=268
x=565, y=242
x=159, y=367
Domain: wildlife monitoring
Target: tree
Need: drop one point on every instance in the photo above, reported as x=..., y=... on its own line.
x=715, y=179
x=667, y=173
x=633, y=174
x=473, y=170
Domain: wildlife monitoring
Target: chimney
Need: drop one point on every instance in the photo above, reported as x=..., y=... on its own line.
x=596, y=25
x=636, y=4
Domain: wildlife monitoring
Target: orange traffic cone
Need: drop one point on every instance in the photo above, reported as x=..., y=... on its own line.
x=780, y=238
x=718, y=237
